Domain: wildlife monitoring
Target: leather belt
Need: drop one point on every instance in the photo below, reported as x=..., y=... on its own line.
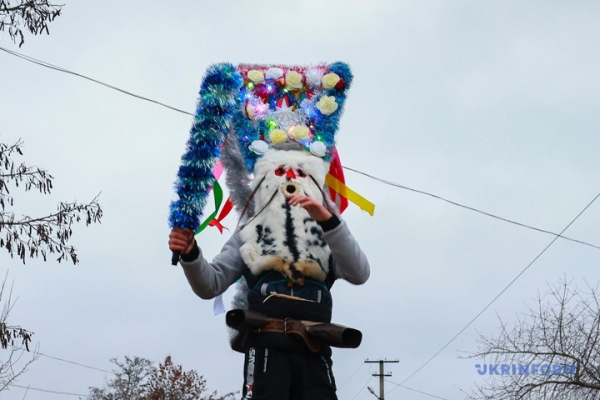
x=290, y=327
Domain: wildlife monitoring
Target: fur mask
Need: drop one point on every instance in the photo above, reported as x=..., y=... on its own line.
x=282, y=237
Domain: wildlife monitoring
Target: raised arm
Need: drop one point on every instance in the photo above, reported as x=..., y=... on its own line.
x=207, y=280
x=351, y=263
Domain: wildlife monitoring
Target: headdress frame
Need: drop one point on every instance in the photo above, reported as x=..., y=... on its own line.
x=255, y=108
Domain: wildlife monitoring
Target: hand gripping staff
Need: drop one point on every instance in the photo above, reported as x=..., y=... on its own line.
x=216, y=105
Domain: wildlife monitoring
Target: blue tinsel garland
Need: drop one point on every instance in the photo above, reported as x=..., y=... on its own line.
x=327, y=126
x=217, y=102
x=246, y=134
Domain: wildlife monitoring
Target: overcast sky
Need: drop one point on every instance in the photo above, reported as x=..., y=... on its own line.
x=492, y=104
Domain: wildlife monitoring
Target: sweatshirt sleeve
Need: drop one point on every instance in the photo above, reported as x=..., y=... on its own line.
x=209, y=280
x=350, y=262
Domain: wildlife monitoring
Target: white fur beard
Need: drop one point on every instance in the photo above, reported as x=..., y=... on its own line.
x=284, y=238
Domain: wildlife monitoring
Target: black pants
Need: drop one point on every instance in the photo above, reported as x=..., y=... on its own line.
x=276, y=375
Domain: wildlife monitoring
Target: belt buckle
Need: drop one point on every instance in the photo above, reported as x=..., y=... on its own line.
x=285, y=322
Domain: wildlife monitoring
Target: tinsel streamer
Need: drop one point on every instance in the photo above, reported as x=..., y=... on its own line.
x=247, y=133
x=216, y=104
x=328, y=125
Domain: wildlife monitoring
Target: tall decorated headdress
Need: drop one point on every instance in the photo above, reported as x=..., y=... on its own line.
x=247, y=112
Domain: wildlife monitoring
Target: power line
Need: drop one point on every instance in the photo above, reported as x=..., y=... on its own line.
x=362, y=388
x=76, y=363
x=48, y=391
x=415, y=390
x=471, y=208
x=54, y=67
x=557, y=235
x=67, y=361
x=354, y=373
x=499, y=294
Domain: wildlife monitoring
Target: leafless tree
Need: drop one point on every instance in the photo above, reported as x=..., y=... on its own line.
x=31, y=15
x=551, y=352
x=15, y=357
x=31, y=237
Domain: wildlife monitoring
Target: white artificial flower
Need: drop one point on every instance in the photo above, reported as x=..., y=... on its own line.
x=259, y=146
x=313, y=77
x=274, y=73
x=318, y=149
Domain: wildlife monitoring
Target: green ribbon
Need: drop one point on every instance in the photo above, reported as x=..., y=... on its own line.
x=218, y=195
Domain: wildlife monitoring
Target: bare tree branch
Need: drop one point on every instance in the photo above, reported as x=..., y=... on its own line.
x=34, y=236
x=31, y=15
x=551, y=352
x=14, y=341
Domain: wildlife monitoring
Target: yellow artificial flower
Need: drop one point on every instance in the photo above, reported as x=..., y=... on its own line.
x=250, y=111
x=293, y=80
x=278, y=136
x=299, y=132
x=256, y=76
x=327, y=105
x=330, y=80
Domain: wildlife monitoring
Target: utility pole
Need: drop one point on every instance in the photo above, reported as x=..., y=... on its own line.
x=380, y=375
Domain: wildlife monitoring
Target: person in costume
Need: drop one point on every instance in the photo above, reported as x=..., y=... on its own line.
x=290, y=245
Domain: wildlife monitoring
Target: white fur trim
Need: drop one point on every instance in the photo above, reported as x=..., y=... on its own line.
x=266, y=237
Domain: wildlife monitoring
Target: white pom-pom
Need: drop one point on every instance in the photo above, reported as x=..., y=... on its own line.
x=318, y=149
x=259, y=147
x=274, y=73
x=313, y=77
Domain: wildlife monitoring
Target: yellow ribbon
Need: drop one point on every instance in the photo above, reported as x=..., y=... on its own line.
x=350, y=194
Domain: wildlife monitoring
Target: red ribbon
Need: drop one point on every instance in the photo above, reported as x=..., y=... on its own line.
x=224, y=213
x=336, y=170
